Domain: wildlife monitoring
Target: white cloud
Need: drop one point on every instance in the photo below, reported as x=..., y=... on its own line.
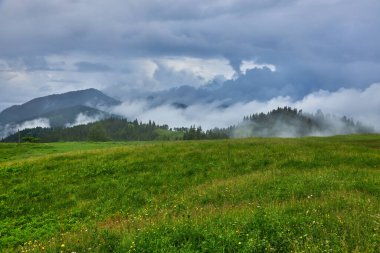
x=40, y=122
x=206, y=115
x=207, y=69
x=362, y=105
x=83, y=119
x=11, y=128
x=247, y=65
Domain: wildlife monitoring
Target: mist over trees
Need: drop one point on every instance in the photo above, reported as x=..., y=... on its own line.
x=289, y=122
x=283, y=122
x=280, y=122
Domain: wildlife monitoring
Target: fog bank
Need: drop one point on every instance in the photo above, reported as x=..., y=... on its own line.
x=360, y=104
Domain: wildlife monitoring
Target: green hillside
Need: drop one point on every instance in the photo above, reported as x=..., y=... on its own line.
x=237, y=195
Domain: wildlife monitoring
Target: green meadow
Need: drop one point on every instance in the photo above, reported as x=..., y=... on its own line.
x=239, y=195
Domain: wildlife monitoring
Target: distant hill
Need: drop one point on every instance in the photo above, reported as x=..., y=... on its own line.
x=50, y=105
x=58, y=110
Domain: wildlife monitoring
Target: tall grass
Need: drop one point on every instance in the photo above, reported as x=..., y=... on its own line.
x=248, y=195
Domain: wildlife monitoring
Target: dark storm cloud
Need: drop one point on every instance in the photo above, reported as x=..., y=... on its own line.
x=64, y=81
x=326, y=44
x=37, y=63
x=238, y=29
x=91, y=67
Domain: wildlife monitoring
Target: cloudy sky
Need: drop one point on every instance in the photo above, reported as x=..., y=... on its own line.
x=248, y=54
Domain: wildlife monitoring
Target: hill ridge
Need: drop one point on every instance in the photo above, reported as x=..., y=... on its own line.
x=38, y=106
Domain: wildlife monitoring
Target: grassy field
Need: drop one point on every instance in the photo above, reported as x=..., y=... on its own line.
x=242, y=195
x=10, y=151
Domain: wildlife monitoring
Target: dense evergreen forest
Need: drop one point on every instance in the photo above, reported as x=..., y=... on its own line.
x=281, y=122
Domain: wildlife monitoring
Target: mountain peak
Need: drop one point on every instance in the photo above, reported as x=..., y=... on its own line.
x=34, y=108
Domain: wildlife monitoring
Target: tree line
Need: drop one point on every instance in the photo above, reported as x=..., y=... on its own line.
x=284, y=121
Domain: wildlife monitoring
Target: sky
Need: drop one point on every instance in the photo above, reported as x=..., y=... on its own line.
x=220, y=57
